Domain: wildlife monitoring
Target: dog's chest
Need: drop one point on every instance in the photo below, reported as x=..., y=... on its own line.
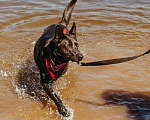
x=55, y=70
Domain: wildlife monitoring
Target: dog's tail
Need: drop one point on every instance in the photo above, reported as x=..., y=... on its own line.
x=67, y=13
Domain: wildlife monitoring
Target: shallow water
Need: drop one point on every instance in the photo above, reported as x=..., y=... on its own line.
x=105, y=29
x=138, y=103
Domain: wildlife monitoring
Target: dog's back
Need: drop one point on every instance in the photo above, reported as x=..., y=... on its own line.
x=42, y=42
x=49, y=34
x=52, y=52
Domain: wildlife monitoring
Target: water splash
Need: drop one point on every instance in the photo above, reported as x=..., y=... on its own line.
x=27, y=85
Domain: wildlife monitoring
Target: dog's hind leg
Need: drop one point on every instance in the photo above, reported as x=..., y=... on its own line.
x=50, y=92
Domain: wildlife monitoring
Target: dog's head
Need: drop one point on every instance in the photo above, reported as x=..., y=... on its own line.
x=66, y=44
x=65, y=41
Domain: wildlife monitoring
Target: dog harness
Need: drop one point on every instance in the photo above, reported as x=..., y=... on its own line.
x=54, y=69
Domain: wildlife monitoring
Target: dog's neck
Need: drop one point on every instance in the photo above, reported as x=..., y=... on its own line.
x=53, y=64
x=53, y=54
x=56, y=60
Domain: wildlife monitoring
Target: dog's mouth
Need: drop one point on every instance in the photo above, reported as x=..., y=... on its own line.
x=77, y=59
x=79, y=63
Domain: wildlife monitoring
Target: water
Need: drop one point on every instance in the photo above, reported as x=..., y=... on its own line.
x=105, y=29
x=138, y=103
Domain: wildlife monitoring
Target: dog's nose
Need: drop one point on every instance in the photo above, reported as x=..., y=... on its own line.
x=80, y=57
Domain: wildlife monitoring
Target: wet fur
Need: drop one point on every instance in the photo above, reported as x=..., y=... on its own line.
x=62, y=45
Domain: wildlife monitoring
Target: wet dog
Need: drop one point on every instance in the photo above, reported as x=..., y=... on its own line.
x=53, y=50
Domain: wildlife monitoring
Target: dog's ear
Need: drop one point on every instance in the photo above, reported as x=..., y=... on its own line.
x=67, y=13
x=58, y=34
x=72, y=32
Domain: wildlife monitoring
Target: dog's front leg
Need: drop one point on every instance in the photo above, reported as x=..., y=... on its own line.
x=50, y=92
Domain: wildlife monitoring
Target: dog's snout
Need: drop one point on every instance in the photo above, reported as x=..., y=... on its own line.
x=80, y=57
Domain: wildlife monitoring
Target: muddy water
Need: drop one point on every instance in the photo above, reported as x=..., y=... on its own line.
x=105, y=28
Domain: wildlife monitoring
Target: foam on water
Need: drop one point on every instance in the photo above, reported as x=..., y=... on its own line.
x=71, y=112
x=106, y=29
x=26, y=83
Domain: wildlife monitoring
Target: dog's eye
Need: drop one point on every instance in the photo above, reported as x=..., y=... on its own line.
x=69, y=45
x=76, y=44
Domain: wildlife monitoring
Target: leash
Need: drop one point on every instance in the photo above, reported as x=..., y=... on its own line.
x=112, y=61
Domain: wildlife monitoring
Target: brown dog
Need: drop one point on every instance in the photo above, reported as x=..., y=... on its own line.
x=52, y=52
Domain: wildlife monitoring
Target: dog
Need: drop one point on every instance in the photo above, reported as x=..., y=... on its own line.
x=53, y=51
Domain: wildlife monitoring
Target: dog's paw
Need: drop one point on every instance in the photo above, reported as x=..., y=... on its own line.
x=63, y=111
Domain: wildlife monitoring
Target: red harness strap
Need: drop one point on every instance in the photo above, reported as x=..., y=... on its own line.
x=49, y=68
x=54, y=69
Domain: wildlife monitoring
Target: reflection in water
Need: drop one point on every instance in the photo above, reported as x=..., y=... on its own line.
x=28, y=85
x=29, y=81
x=138, y=103
x=106, y=29
x=88, y=102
